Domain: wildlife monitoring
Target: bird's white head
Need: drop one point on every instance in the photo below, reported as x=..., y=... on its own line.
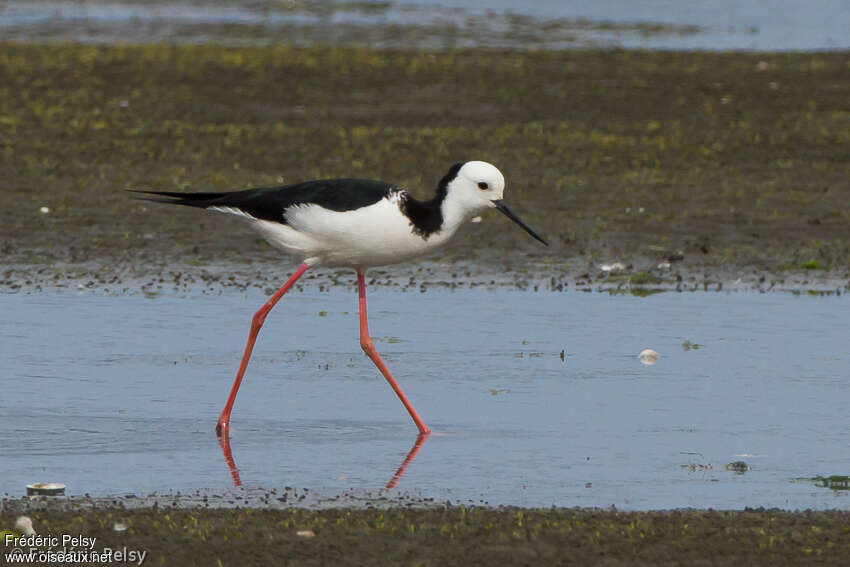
x=475, y=186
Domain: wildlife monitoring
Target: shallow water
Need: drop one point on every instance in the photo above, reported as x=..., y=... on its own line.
x=719, y=25
x=116, y=395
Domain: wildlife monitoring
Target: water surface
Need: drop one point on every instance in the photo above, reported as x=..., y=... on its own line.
x=654, y=24
x=116, y=395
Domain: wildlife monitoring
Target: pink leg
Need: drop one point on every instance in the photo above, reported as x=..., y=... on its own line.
x=256, y=323
x=369, y=349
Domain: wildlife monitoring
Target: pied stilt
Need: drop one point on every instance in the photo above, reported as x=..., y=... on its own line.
x=355, y=223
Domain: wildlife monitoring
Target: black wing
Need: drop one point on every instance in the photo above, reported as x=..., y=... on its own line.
x=270, y=203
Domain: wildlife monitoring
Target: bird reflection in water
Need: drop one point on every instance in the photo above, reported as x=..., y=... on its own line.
x=224, y=443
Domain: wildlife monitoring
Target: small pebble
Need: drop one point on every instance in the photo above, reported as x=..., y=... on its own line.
x=305, y=533
x=24, y=525
x=615, y=267
x=119, y=527
x=44, y=210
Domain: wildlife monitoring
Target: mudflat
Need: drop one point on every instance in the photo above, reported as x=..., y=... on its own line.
x=452, y=535
x=690, y=169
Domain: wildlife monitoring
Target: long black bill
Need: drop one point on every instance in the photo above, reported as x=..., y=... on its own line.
x=500, y=204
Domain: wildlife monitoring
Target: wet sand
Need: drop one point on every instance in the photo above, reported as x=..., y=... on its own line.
x=724, y=169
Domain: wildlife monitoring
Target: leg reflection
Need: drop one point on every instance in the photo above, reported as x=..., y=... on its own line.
x=420, y=440
x=224, y=443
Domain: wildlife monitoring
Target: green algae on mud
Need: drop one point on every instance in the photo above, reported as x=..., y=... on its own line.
x=833, y=482
x=455, y=535
x=733, y=162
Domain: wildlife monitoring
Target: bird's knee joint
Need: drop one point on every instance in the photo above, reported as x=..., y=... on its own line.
x=367, y=347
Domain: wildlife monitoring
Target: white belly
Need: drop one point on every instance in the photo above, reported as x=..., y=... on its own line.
x=370, y=236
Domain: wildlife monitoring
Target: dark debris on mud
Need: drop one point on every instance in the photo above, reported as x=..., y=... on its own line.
x=179, y=277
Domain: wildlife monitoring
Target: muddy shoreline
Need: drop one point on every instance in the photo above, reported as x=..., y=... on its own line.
x=186, y=279
x=691, y=170
x=447, y=534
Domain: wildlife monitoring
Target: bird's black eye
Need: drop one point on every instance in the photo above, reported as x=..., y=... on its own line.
x=483, y=186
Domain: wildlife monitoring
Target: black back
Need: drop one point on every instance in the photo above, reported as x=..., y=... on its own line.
x=270, y=203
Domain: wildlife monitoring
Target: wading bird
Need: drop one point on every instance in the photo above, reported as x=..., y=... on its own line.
x=355, y=223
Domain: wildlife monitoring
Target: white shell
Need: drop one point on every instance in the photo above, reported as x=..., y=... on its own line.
x=648, y=356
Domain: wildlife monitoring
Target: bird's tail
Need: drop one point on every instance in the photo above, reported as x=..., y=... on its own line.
x=201, y=200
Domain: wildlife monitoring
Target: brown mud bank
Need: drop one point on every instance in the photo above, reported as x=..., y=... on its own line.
x=449, y=535
x=692, y=170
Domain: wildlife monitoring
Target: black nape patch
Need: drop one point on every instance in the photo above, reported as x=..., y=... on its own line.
x=426, y=217
x=443, y=185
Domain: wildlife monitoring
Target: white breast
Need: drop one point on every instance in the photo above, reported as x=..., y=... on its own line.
x=375, y=235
